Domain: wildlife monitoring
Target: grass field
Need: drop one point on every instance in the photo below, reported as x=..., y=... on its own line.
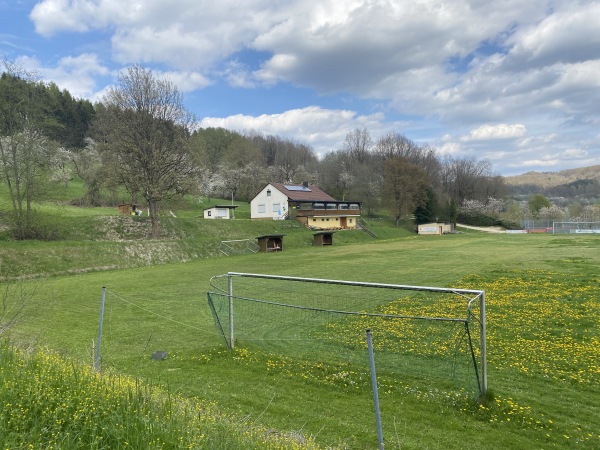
x=543, y=297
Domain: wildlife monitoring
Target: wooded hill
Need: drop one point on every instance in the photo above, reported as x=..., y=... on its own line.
x=571, y=183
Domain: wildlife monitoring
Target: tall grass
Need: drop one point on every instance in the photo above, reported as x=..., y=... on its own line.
x=49, y=402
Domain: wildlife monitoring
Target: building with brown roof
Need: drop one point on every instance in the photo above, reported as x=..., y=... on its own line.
x=306, y=203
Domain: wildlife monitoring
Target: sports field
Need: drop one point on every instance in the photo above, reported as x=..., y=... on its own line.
x=543, y=317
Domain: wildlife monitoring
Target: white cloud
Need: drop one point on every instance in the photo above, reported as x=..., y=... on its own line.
x=500, y=131
x=512, y=78
x=324, y=129
x=574, y=153
x=569, y=35
x=77, y=74
x=187, y=81
x=186, y=34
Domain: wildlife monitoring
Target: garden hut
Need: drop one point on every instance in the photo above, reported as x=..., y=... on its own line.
x=270, y=243
x=323, y=238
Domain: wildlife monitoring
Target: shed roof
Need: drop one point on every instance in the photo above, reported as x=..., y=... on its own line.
x=222, y=206
x=312, y=194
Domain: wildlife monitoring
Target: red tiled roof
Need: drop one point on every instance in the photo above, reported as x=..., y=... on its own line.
x=314, y=195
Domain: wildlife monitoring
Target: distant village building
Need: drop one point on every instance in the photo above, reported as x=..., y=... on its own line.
x=305, y=203
x=220, y=212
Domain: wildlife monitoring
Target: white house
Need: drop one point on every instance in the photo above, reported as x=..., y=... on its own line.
x=306, y=203
x=220, y=212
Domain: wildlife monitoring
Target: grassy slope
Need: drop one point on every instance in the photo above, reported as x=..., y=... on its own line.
x=174, y=317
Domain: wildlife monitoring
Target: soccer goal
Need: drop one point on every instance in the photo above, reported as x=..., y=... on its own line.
x=419, y=332
x=575, y=227
x=238, y=247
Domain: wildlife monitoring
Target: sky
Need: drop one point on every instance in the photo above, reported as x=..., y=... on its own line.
x=514, y=82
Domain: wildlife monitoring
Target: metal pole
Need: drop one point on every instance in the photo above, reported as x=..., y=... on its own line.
x=230, y=291
x=97, y=357
x=483, y=346
x=375, y=392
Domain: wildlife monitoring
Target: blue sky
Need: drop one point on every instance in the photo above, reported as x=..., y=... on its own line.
x=515, y=82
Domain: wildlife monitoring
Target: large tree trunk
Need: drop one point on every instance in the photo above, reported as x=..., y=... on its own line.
x=154, y=222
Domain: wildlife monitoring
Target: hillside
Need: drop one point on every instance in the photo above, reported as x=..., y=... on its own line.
x=552, y=179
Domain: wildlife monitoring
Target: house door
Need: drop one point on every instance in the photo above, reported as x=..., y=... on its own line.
x=343, y=222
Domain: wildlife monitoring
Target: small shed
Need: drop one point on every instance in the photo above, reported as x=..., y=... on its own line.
x=220, y=212
x=270, y=243
x=435, y=228
x=323, y=238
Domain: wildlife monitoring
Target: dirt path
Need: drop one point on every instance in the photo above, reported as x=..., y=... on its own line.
x=486, y=229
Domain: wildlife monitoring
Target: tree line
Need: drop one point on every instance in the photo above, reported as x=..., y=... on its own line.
x=140, y=137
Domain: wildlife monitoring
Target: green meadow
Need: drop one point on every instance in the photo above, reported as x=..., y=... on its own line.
x=543, y=317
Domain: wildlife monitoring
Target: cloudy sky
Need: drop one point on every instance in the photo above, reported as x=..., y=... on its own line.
x=514, y=81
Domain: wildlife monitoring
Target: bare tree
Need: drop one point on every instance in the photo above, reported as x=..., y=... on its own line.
x=395, y=145
x=467, y=179
x=145, y=129
x=23, y=147
x=358, y=144
x=405, y=187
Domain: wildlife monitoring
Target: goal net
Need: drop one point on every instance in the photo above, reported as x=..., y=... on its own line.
x=238, y=247
x=576, y=227
x=420, y=334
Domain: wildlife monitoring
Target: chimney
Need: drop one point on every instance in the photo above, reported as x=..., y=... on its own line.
x=305, y=184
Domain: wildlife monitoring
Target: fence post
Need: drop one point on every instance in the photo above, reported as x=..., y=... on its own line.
x=375, y=392
x=483, y=345
x=97, y=356
x=230, y=293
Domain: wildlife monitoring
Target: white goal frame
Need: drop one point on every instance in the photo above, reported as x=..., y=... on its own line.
x=575, y=227
x=238, y=247
x=472, y=294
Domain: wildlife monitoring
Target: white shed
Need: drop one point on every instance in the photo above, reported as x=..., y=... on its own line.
x=220, y=212
x=435, y=228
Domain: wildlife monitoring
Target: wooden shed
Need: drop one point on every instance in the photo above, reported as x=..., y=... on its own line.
x=323, y=238
x=270, y=243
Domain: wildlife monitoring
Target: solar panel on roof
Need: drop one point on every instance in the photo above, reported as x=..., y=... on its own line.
x=296, y=188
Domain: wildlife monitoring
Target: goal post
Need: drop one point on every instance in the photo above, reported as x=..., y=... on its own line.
x=289, y=303
x=575, y=227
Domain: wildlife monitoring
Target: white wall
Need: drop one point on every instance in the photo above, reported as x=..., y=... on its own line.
x=262, y=206
x=217, y=213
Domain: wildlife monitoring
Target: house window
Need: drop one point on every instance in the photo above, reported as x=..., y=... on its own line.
x=268, y=192
x=276, y=207
x=331, y=206
x=319, y=206
x=209, y=213
x=261, y=209
x=353, y=205
x=343, y=206
x=350, y=220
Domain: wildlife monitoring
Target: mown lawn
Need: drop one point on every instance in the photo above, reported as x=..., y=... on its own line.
x=543, y=322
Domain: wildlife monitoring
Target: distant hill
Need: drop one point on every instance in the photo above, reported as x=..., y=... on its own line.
x=547, y=180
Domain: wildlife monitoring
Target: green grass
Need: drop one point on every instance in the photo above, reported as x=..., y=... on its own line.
x=48, y=402
x=543, y=316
